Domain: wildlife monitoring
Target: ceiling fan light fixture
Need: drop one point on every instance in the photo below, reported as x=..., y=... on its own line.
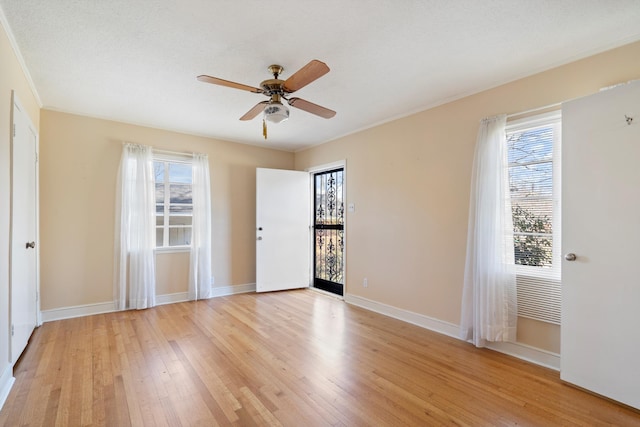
x=276, y=112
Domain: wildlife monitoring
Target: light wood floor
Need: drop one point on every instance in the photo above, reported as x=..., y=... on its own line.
x=297, y=358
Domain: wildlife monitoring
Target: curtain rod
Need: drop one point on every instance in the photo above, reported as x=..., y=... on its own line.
x=534, y=110
x=167, y=152
x=172, y=153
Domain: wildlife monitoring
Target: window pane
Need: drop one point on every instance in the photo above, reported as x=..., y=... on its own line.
x=159, y=193
x=532, y=216
x=180, y=193
x=534, y=180
x=180, y=172
x=158, y=171
x=532, y=250
x=180, y=220
x=180, y=236
x=160, y=209
x=159, y=236
x=530, y=146
x=181, y=209
x=159, y=219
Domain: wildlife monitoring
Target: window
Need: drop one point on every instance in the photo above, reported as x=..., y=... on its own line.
x=174, y=202
x=534, y=184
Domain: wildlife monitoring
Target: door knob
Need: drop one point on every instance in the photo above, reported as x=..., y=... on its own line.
x=259, y=238
x=570, y=256
x=31, y=245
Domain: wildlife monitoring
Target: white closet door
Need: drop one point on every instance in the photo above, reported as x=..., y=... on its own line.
x=601, y=226
x=24, y=219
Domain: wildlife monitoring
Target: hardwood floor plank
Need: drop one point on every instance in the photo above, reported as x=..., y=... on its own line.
x=262, y=415
x=286, y=358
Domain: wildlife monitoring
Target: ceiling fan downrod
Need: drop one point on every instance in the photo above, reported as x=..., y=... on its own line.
x=276, y=70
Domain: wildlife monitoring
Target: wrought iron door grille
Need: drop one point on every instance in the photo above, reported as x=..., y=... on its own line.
x=329, y=231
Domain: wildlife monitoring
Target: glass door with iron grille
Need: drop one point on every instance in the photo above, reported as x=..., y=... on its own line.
x=329, y=231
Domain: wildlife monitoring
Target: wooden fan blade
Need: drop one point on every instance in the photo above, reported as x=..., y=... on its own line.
x=312, y=108
x=257, y=109
x=305, y=75
x=227, y=83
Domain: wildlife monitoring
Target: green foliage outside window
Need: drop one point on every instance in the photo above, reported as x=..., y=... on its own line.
x=529, y=247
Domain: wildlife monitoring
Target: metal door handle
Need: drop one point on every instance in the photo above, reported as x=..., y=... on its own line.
x=570, y=256
x=31, y=245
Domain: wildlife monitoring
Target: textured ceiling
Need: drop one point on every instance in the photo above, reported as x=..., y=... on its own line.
x=136, y=61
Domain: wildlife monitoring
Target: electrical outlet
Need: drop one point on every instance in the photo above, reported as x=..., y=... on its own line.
x=365, y=282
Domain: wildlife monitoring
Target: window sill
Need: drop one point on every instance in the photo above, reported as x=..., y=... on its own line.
x=170, y=250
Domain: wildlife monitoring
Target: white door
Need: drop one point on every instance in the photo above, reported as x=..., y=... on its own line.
x=23, y=231
x=601, y=226
x=282, y=229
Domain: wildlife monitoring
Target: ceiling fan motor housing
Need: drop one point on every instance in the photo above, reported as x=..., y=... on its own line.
x=273, y=87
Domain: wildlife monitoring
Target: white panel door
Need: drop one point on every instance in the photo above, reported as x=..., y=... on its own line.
x=601, y=226
x=282, y=229
x=23, y=232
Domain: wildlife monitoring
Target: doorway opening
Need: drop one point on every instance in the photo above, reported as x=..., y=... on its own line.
x=328, y=230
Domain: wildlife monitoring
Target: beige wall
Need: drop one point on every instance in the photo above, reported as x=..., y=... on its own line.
x=79, y=159
x=11, y=78
x=410, y=179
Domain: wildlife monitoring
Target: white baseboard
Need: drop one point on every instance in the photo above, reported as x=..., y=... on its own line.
x=232, y=290
x=6, y=382
x=421, y=320
x=109, y=307
x=219, y=291
x=172, y=298
x=535, y=355
x=77, y=311
x=521, y=351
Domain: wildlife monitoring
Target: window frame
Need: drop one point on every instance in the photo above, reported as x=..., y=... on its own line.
x=553, y=119
x=539, y=287
x=167, y=159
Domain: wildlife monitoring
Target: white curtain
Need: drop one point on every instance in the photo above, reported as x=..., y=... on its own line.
x=135, y=230
x=200, y=259
x=489, y=308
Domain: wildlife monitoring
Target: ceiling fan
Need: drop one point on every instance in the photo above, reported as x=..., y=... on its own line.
x=277, y=90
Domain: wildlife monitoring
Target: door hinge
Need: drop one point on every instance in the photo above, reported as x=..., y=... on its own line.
x=13, y=330
x=14, y=130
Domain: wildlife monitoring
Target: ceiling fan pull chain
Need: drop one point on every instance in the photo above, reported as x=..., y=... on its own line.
x=264, y=129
